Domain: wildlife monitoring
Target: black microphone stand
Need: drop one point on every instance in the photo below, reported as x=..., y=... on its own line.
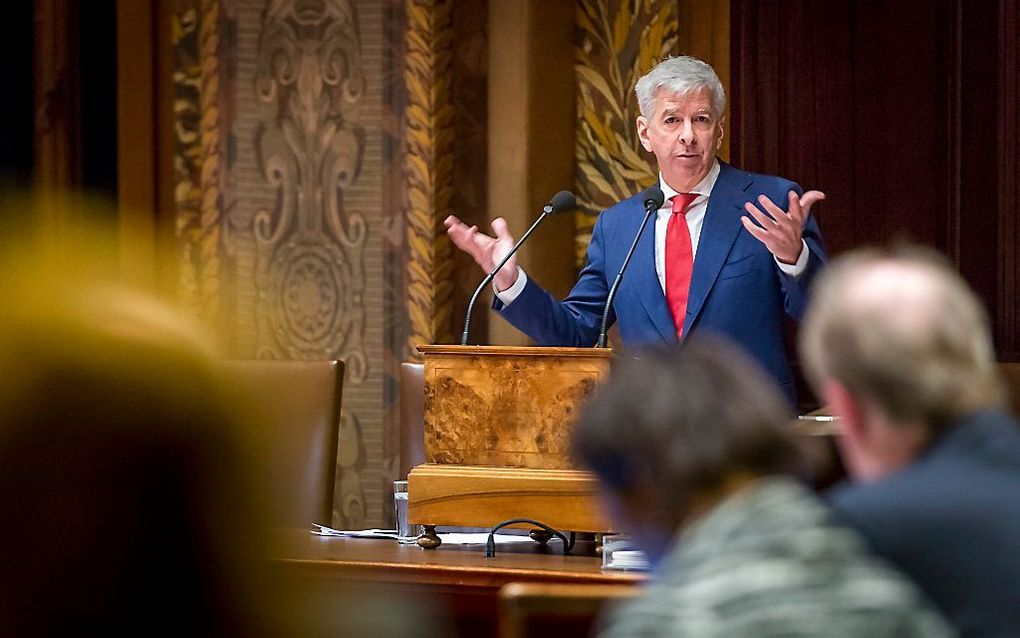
x=651, y=206
x=488, y=278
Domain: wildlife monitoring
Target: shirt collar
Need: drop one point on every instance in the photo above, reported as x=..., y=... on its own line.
x=703, y=188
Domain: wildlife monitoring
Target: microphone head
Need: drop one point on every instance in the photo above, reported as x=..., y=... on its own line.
x=652, y=197
x=561, y=202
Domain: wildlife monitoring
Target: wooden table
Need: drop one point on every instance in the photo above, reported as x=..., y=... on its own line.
x=453, y=588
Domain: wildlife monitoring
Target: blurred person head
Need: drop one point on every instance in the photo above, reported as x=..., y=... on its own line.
x=899, y=347
x=681, y=102
x=128, y=500
x=121, y=483
x=673, y=433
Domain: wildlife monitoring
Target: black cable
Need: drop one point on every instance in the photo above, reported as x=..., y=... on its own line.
x=490, y=544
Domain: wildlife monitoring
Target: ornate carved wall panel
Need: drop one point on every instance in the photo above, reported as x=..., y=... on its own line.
x=309, y=143
x=618, y=42
x=287, y=241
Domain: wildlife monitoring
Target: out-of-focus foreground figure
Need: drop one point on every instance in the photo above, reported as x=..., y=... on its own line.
x=121, y=483
x=899, y=348
x=129, y=503
x=693, y=454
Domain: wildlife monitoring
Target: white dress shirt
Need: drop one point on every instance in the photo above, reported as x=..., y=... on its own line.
x=695, y=221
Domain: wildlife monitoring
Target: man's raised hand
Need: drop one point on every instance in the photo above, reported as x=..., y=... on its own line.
x=485, y=250
x=780, y=230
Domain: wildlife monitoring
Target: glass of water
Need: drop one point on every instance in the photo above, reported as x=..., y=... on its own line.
x=405, y=531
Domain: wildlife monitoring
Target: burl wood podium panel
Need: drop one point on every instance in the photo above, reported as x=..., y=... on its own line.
x=497, y=435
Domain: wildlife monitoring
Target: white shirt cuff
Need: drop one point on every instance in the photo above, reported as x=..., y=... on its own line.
x=507, y=296
x=797, y=269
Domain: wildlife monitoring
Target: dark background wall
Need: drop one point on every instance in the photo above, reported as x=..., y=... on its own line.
x=904, y=112
x=16, y=105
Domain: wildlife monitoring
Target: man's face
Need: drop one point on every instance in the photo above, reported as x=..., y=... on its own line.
x=684, y=135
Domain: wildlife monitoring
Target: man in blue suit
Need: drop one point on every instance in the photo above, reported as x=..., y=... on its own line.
x=706, y=266
x=899, y=347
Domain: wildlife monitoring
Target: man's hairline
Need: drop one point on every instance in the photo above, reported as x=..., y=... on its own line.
x=664, y=86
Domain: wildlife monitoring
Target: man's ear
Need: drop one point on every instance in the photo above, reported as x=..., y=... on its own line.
x=642, y=133
x=845, y=406
x=722, y=132
x=853, y=439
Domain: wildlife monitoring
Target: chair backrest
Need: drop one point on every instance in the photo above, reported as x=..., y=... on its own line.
x=532, y=610
x=412, y=416
x=296, y=405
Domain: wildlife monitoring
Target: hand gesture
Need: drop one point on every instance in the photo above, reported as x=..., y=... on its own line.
x=779, y=230
x=486, y=251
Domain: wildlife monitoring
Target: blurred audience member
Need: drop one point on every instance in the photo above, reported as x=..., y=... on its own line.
x=692, y=452
x=899, y=348
x=121, y=486
x=128, y=501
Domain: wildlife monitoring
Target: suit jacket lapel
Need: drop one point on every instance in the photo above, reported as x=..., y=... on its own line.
x=720, y=230
x=642, y=275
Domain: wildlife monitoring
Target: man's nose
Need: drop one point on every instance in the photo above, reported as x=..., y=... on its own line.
x=686, y=135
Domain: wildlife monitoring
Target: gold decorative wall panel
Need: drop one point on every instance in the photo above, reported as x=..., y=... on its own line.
x=618, y=42
x=210, y=216
x=429, y=136
x=187, y=79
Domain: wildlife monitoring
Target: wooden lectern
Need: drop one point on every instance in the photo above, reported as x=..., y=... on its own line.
x=497, y=434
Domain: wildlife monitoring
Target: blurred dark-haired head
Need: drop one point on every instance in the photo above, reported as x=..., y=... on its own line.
x=672, y=432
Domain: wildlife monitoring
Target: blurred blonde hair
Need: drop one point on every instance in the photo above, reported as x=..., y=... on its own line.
x=902, y=329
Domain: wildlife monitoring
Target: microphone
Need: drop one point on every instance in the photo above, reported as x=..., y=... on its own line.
x=652, y=198
x=561, y=202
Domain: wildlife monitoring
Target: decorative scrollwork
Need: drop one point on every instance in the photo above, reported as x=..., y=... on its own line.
x=310, y=250
x=350, y=459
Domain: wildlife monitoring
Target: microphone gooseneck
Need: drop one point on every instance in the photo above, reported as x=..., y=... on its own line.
x=561, y=202
x=652, y=199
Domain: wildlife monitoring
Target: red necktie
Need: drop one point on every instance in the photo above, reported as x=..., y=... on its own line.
x=679, y=260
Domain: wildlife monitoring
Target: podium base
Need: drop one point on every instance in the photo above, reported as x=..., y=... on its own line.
x=474, y=496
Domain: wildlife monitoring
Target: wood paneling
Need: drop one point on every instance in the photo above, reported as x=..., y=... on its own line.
x=531, y=136
x=57, y=95
x=145, y=139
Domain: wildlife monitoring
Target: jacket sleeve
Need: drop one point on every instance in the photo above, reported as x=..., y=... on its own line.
x=574, y=321
x=796, y=289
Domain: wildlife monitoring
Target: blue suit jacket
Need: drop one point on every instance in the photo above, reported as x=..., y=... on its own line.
x=951, y=521
x=737, y=290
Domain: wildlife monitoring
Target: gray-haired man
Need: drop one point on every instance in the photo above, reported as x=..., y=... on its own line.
x=899, y=347
x=705, y=267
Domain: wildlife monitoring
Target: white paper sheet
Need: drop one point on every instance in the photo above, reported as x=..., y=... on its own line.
x=448, y=538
